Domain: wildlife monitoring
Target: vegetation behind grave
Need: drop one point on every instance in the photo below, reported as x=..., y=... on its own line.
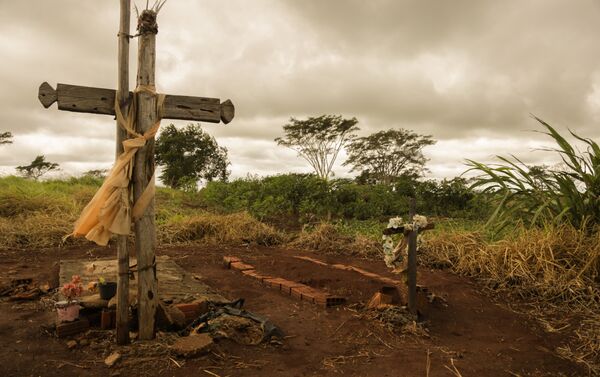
x=306, y=198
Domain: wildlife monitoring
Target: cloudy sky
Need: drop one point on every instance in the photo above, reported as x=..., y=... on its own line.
x=469, y=73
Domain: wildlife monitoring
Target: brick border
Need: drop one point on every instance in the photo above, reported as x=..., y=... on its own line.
x=361, y=271
x=286, y=287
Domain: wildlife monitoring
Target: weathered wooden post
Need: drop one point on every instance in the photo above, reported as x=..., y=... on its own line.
x=123, y=101
x=412, y=261
x=143, y=173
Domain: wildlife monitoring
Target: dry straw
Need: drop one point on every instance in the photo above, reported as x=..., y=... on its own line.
x=327, y=238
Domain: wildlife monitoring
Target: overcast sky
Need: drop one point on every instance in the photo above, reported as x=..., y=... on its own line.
x=469, y=73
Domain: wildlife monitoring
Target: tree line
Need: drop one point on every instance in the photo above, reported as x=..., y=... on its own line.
x=189, y=155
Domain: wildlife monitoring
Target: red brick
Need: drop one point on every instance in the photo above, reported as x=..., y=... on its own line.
x=257, y=275
x=297, y=291
x=202, y=304
x=264, y=278
x=311, y=260
x=305, y=293
x=334, y=301
x=66, y=329
x=390, y=281
x=108, y=319
x=241, y=266
x=275, y=283
x=341, y=267
x=287, y=286
x=360, y=270
x=228, y=260
x=313, y=295
x=191, y=310
x=252, y=273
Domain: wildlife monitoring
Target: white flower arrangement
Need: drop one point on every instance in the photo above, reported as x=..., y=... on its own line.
x=420, y=221
x=394, y=256
x=395, y=222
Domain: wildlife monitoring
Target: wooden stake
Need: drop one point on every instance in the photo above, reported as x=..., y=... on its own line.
x=412, y=262
x=122, y=247
x=145, y=234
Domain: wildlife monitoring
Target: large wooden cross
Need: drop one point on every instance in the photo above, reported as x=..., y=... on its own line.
x=102, y=101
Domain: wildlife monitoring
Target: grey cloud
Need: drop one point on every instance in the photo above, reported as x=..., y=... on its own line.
x=459, y=70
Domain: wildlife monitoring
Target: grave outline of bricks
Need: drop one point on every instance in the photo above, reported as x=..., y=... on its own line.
x=286, y=287
x=344, y=267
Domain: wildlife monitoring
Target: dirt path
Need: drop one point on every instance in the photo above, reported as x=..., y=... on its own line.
x=480, y=337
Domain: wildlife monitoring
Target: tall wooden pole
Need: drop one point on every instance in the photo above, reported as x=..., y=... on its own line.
x=122, y=247
x=145, y=234
x=412, y=262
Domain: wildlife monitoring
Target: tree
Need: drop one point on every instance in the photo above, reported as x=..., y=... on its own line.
x=386, y=155
x=189, y=155
x=38, y=167
x=318, y=140
x=5, y=138
x=539, y=174
x=96, y=173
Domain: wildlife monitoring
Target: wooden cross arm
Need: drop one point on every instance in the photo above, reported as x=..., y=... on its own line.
x=85, y=99
x=390, y=231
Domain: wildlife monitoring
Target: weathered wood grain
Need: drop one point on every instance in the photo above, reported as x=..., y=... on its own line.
x=412, y=263
x=145, y=233
x=85, y=99
x=227, y=111
x=122, y=313
x=192, y=108
x=47, y=95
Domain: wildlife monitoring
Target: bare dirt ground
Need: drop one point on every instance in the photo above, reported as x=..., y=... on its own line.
x=472, y=332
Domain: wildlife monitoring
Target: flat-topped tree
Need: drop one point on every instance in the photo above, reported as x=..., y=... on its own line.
x=136, y=163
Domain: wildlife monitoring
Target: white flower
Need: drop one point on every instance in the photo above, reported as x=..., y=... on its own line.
x=420, y=221
x=395, y=222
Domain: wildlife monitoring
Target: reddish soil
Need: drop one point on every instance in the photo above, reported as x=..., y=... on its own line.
x=480, y=337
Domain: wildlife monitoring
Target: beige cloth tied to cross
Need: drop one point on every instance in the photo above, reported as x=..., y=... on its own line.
x=109, y=212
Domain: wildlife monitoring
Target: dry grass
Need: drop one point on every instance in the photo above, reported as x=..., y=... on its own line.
x=39, y=214
x=44, y=230
x=237, y=228
x=328, y=238
x=35, y=230
x=557, y=269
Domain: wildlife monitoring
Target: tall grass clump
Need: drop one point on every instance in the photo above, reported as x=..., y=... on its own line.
x=334, y=239
x=38, y=214
x=208, y=228
x=570, y=195
x=557, y=264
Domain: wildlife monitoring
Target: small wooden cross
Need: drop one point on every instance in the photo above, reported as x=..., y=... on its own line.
x=410, y=238
x=102, y=101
